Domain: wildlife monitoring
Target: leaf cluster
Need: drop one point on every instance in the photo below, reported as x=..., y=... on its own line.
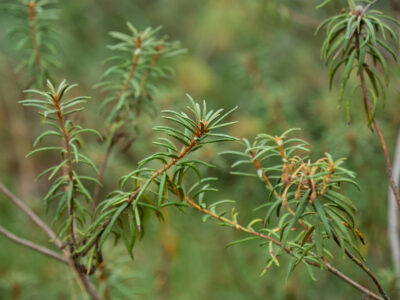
x=355, y=41
x=305, y=197
x=36, y=37
x=68, y=189
x=159, y=179
x=129, y=82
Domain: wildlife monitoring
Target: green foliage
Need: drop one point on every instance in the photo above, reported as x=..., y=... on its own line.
x=129, y=82
x=68, y=190
x=304, y=213
x=154, y=188
x=305, y=196
x=36, y=37
x=355, y=41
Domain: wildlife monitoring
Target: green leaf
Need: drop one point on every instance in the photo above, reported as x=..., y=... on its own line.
x=299, y=212
x=110, y=225
x=291, y=265
x=241, y=241
x=322, y=216
x=346, y=73
x=44, y=149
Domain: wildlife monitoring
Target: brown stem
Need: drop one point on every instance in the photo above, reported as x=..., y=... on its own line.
x=367, y=103
x=239, y=227
x=33, y=32
x=174, y=161
x=182, y=154
x=68, y=168
x=31, y=245
x=351, y=282
x=132, y=198
x=364, y=268
x=235, y=225
x=83, y=281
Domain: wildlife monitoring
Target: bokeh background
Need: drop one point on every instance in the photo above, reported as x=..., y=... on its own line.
x=262, y=56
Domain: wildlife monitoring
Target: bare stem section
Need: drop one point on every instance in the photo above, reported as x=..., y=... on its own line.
x=31, y=245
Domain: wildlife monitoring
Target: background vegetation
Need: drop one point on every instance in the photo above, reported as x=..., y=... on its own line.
x=262, y=56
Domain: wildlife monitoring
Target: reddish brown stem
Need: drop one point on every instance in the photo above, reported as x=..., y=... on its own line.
x=368, y=105
x=68, y=168
x=350, y=281
x=182, y=154
x=364, y=268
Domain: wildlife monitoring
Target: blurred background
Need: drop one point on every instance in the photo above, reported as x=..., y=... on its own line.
x=262, y=56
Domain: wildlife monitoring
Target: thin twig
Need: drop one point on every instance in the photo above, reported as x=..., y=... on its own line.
x=38, y=221
x=68, y=167
x=32, y=245
x=82, y=280
x=364, y=268
x=351, y=282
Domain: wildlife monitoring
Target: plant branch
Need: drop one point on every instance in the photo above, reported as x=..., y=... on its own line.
x=83, y=281
x=351, y=281
x=67, y=168
x=31, y=245
x=115, y=137
x=264, y=176
x=348, y=253
x=393, y=216
x=186, y=150
x=38, y=221
x=367, y=102
x=364, y=268
x=239, y=227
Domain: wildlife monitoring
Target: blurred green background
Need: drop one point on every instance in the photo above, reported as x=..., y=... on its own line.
x=260, y=55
